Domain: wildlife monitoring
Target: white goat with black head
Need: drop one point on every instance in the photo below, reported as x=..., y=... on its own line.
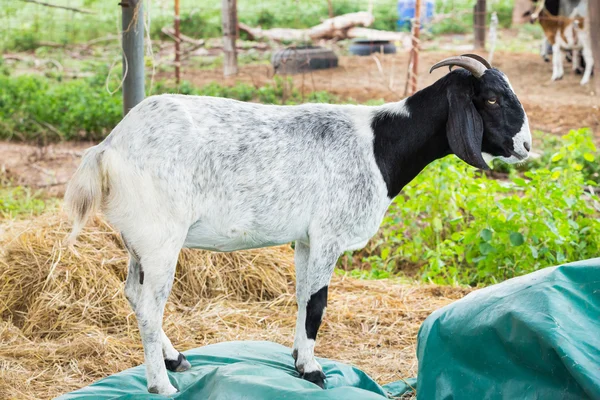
x=223, y=175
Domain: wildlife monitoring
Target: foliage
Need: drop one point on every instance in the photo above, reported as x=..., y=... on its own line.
x=33, y=107
x=42, y=109
x=462, y=227
x=15, y=201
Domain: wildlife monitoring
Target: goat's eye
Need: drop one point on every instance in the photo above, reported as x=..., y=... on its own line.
x=492, y=100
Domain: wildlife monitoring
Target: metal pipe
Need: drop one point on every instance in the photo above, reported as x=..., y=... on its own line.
x=133, y=53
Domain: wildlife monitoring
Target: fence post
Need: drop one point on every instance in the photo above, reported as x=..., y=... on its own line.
x=177, y=44
x=133, y=53
x=521, y=6
x=415, y=47
x=479, y=24
x=229, y=17
x=594, y=26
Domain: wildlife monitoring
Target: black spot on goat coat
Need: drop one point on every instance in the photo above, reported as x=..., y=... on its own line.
x=223, y=175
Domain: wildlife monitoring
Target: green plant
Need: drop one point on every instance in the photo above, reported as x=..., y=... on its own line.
x=47, y=109
x=460, y=226
x=15, y=201
x=32, y=107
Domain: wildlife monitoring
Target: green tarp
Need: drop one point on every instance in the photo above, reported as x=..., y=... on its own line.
x=243, y=370
x=533, y=337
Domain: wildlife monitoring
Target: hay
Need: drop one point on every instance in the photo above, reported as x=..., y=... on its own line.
x=66, y=323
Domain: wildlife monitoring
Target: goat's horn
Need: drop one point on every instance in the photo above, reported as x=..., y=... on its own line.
x=478, y=58
x=476, y=67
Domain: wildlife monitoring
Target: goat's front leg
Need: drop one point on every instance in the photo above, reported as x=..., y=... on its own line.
x=314, y=267
x=557, y=62
x=584, y=38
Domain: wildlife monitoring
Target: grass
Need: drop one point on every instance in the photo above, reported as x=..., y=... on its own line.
x=20, y=202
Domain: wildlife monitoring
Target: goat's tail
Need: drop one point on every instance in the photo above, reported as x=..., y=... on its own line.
x=84, y=192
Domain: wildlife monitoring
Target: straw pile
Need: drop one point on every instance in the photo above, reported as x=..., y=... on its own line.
x=65, y=322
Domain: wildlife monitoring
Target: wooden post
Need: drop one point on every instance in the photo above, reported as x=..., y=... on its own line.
x=479, y=12
x=330, y=9
x=177, y=45
x=229, y=17
x=133, y=53
x=521, y=6
x=416, y=28
x=594, y=25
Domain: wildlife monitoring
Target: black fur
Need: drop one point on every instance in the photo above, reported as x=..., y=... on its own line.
x=405, y=144
x=314, y=312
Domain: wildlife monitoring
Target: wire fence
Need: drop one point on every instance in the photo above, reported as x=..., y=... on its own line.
x=81, y=38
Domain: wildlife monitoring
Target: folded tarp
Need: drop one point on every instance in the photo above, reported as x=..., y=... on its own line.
x=532, y=337
x=244, y=370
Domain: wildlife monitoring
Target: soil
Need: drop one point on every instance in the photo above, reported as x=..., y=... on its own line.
x=552, y=107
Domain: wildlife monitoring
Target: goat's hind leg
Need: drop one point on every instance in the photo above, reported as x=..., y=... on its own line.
x=174, y=360
x=149, y=282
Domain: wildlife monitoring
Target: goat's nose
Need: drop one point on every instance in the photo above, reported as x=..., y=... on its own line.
x=527, y=146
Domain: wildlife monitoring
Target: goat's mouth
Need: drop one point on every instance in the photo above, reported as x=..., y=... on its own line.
x=519, y=156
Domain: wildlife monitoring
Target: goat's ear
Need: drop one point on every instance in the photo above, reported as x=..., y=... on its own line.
x=464, y=129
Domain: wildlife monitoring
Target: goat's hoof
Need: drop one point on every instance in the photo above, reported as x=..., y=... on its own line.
x=557, y=78
x=179, y=365
x=167, y=390
x=317, y=377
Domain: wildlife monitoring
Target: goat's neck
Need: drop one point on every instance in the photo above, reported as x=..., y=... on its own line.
x=411, y=134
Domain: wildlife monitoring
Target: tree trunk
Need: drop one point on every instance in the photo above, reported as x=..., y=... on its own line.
x=594, y=26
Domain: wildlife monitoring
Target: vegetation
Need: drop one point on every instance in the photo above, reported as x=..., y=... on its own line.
x=47, y=109
x=19, y=201
x=32, y=25
x=457, y=225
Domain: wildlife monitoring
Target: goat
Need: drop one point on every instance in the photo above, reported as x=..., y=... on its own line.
x=564, y=28
x=223, y=175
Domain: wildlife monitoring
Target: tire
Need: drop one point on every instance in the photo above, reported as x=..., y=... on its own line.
x=293, y=60
x=365, y=47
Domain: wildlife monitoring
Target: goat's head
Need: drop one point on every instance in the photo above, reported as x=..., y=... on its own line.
x=485, y=118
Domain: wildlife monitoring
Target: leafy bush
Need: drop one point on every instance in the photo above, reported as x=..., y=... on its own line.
x=458, y=225
x=33, y=107
x=43, y=109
